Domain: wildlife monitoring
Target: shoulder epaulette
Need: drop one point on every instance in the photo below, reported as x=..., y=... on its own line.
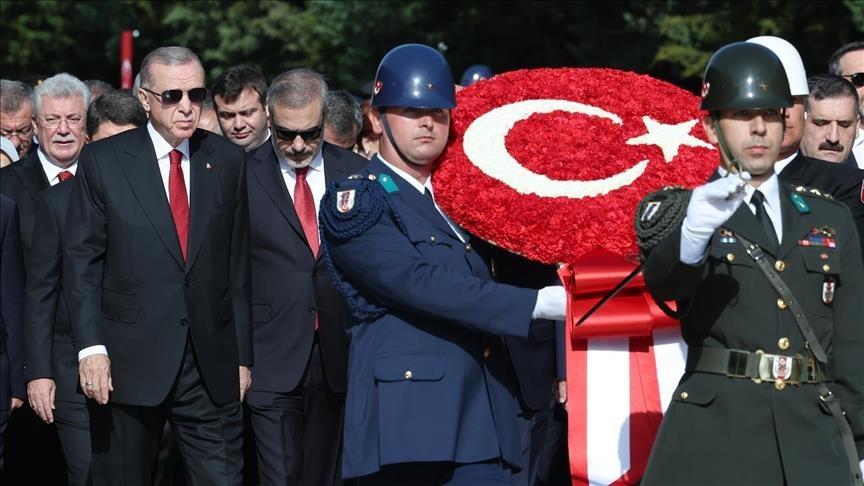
x=351, y=206
x=812, y=191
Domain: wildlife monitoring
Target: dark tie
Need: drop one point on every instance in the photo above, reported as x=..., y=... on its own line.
x=65, y=176
x=758, y=200
x=305, y=207
x=178, y=200
x=428, y=193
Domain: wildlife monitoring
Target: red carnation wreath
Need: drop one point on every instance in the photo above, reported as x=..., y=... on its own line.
x=551, y=163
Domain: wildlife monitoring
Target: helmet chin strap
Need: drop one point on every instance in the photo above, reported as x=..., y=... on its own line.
x=390, y=137
x=724, y=147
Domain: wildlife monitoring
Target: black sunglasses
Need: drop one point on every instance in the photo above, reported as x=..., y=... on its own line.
x=173, y=96
x=309, y=135
x=856, y=78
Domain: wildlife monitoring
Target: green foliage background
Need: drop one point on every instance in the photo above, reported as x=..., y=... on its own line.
x=668, y=39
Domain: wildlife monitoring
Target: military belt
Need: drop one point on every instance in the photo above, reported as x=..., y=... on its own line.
x=757, y=366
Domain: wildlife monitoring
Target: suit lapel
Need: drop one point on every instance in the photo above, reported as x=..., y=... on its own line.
x=265, y=169
x=205, y=173
x=32, y=176
x=138, y=162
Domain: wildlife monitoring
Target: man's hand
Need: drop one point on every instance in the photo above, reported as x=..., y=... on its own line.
x=40, y=394
x=95, y=377
x=710, y=206
x=15, y=403
x=561, y=393
x=245, y=381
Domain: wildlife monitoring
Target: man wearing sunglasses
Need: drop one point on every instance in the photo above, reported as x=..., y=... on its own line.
x=156, y=264
x=848, y=62
x=299, y=318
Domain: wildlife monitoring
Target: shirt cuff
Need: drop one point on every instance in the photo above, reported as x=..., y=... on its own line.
x=91, y=350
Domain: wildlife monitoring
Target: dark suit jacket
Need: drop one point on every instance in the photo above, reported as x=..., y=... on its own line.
x=11, y=305
x=843, y=182
x=288, y=283
x=735, y=306
x=129, y=287
x=23, y=181
x=428, y=375
x=49, y=341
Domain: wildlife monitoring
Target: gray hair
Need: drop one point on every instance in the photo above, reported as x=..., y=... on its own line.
x=344, y=117
x=62, y=85
x=169, y=56
x=13, y=94
x=297, y=88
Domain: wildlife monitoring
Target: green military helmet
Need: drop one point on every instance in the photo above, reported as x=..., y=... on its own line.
x=745, y=75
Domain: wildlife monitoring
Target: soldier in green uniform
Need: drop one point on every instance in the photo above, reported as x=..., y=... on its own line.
x=760, y=403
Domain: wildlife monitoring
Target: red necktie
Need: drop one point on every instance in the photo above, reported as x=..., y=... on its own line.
x=178, y=200
x=65, y=176
x=305, y=207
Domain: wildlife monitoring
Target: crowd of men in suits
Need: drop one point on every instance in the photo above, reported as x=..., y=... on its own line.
x=167, y=290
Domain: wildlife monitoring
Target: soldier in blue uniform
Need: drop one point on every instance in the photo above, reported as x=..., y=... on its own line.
x=430, y=396
x=770, y=372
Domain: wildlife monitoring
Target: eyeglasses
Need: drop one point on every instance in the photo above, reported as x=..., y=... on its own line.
x=309, y=135
x=56, y=121
x=856, y=78
x=171, y=97
x=20, y=133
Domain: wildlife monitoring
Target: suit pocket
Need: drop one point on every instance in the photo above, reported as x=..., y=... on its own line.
x=409, y=367
x=114, y=310
x=698, y=389
x=121, y=285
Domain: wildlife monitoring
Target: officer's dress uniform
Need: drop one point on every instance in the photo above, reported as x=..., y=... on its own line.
x=428, y=379
x=729, y=430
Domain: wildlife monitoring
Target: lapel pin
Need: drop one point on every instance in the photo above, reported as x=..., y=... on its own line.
x=208, y=166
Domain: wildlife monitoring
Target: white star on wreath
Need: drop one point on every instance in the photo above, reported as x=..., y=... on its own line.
x=668, y=137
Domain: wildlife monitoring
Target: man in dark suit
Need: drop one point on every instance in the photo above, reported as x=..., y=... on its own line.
x=156, y=264
x=60, y=104
x=11, y=317
x=52, y=362
x=300, y=336
x=430, y=394
x=753, y=369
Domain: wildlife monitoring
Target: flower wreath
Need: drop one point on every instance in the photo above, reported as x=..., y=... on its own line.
x=551, y=163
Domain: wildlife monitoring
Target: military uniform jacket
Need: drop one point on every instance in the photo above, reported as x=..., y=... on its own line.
x=428, y=377
x=722, y=430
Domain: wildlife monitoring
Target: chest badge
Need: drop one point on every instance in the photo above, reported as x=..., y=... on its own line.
x=828, y=290
x=345, y=200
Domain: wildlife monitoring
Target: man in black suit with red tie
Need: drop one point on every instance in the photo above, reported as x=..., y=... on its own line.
x=301, y=344
x=156, y=264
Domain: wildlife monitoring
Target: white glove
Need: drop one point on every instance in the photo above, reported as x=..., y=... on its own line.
x=710, y=206
x=551, y=303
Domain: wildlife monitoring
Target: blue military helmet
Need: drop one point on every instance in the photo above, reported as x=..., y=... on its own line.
x=414, y=76
x=476, y=73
